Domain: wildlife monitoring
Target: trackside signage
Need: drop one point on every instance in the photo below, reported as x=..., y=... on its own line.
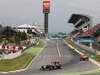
x=46, y=6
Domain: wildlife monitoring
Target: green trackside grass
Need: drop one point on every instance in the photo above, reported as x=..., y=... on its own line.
x=98, y=58
x=22, y=61
x=36, y=49
x=15, y=64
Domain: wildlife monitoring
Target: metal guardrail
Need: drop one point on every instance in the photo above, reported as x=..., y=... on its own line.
x=87, y=51
x=83, y=50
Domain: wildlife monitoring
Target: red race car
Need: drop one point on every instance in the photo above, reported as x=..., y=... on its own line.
x=84, y=57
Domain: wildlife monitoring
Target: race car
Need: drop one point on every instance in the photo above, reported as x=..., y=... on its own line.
x=84, y=57
x=53, y=66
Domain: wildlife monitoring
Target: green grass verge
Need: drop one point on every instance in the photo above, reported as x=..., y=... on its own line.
x=98, y=58
x=22, y=61
x=41, y=44
x=15, y=64
x=33, y=51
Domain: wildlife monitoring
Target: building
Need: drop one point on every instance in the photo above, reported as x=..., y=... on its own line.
x=91, y=30
x=27, y=28
x=80, y=21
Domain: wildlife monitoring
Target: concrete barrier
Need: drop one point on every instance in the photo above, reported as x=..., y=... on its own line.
x=12, y=55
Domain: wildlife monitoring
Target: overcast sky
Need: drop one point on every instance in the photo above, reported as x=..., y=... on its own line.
x=30, y=11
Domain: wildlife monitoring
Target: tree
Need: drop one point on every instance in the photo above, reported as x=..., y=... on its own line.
x=97, y=33
x=20, y=36
x=0, y=25
x=17, y=38
x=23, y=36
x=8, y=31
x=29, y=31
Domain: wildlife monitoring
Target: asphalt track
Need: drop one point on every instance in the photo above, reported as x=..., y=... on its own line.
x=57, y=50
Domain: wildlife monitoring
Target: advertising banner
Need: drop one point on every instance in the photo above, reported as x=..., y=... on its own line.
x=46, y=6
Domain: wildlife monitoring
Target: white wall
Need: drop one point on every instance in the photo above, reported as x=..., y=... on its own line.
x=11, y=55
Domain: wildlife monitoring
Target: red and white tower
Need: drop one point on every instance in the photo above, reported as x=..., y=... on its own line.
x=46, y=11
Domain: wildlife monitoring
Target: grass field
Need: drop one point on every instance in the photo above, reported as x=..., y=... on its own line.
x=15, y=64
x=22, y=61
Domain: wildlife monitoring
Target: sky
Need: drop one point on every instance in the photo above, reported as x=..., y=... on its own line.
x=14, y=12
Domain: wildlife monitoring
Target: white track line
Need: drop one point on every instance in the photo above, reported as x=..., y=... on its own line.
x=58, y=50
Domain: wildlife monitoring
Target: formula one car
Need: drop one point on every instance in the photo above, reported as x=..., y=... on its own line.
x=84, y=58
x=53, y=66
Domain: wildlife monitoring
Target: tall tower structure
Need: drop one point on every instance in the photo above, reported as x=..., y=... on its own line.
x=46, y=11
